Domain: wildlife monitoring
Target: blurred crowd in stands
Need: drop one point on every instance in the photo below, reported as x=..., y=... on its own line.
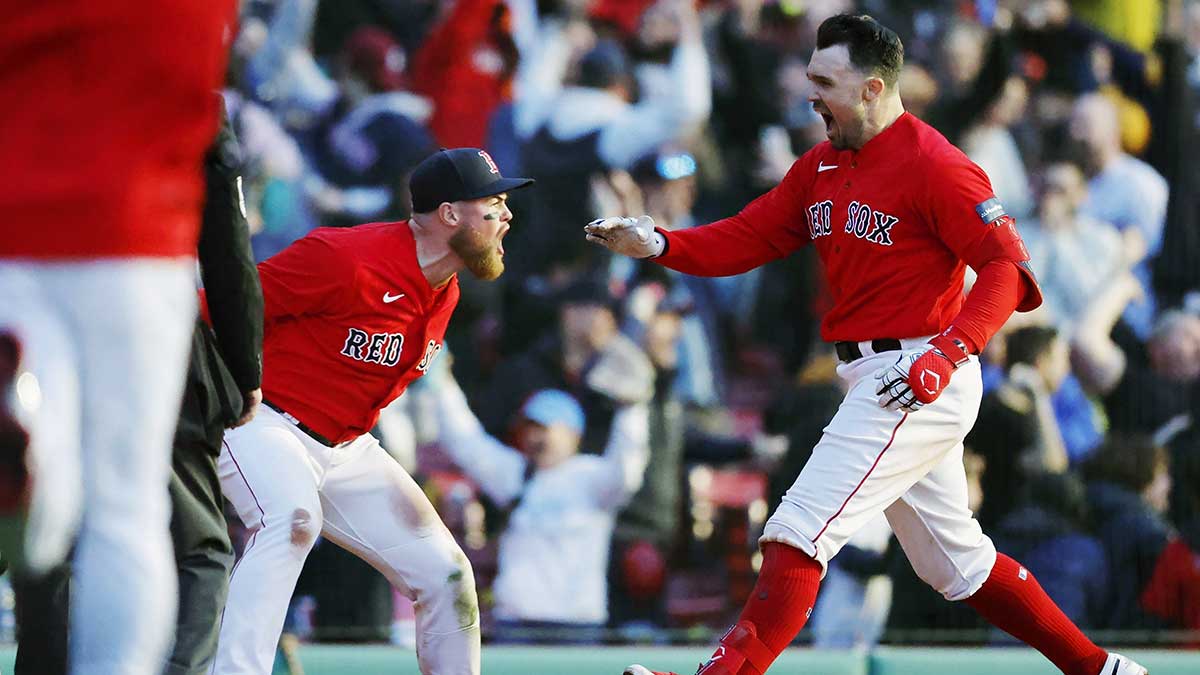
x=637, y=426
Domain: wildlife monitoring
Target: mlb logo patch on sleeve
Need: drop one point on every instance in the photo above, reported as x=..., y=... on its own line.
x=990, y=210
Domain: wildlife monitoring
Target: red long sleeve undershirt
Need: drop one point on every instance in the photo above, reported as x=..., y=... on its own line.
x=992, y=300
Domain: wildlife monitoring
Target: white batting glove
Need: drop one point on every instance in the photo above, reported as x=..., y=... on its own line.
x=893, y=389
x=634, y=237
x=919, y=376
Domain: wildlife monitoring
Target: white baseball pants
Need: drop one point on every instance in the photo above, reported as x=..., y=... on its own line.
x=907, y=465
x=287, y=489
x=108, y=342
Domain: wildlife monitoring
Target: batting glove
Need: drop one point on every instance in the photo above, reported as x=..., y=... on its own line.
x=918, y=377
x=634, y=237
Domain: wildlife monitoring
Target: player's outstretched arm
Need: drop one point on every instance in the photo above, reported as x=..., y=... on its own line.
x=769, y=228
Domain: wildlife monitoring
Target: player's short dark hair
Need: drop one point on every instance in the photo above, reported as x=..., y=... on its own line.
x=874, y=48
x=1028, y=343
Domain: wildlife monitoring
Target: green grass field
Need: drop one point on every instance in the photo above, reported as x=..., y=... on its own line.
x=385, y=660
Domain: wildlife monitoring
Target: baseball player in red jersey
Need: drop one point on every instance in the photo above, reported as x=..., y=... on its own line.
x=895, y=213
x=110, y=110
x=352, y=316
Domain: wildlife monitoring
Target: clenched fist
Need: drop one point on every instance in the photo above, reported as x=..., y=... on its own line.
x=634, y=237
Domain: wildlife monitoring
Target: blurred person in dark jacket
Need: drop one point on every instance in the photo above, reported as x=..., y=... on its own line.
x=374, y=135
x=1017, y=432
x=1128, y=481
x=648, y=530
x=1049, y=533
x=1143, y=386
x=584, y=355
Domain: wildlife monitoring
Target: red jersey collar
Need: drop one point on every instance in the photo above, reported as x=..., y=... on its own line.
x=408, y=242
x=898, y=136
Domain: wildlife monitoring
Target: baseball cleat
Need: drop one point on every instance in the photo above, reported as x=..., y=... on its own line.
x=635, y=669
x=1121, y=665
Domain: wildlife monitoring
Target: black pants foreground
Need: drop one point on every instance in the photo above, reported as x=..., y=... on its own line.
x=203, y=553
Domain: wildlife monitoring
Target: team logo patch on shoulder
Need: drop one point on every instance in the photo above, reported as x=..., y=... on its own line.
x=990, y=210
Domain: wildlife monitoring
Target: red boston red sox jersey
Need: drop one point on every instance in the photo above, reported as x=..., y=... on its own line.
x=894, y=223
x=350, y=321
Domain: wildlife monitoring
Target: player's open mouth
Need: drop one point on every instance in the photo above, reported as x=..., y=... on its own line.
x=828, y=121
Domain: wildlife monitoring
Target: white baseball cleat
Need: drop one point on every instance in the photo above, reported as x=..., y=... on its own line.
x=1121, y=665
x=635, y=669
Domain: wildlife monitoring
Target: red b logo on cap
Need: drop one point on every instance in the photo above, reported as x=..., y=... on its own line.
x=491, y=164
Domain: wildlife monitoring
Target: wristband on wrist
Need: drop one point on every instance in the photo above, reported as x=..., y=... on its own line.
x=952, y=348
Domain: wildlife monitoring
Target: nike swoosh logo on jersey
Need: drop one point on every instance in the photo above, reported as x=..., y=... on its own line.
x=821, y=167
x=388, y=298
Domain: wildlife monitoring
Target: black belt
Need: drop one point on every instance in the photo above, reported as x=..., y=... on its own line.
x=849, y=351
x=300, y=425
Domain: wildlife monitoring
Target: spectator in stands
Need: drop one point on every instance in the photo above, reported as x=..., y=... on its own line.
x=277, y=209
x=585, y=355
x=978, y=67
x=1127, y=485
x=1122, y=190
x=1017, y=431
x=1173, y=592
x=571, y=133
x=1144, y=387
x=665, y=183
x=374, y=135
x=1074, y=254
x=648, y=529
x=280, y=70
x=466, y=66
x=554, y=549
x=1048, y=532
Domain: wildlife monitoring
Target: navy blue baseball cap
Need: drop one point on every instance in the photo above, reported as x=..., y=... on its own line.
x=456, y=175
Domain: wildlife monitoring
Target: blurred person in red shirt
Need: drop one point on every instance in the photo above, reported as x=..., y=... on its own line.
x=466, y=67
x=112, y=106
x=1173, y=592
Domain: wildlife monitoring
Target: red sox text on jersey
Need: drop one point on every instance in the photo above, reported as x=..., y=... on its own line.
x=895, y=224
x=350, y=322
x=861, y=221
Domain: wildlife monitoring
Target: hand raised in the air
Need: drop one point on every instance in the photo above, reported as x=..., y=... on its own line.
x=634, y=237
